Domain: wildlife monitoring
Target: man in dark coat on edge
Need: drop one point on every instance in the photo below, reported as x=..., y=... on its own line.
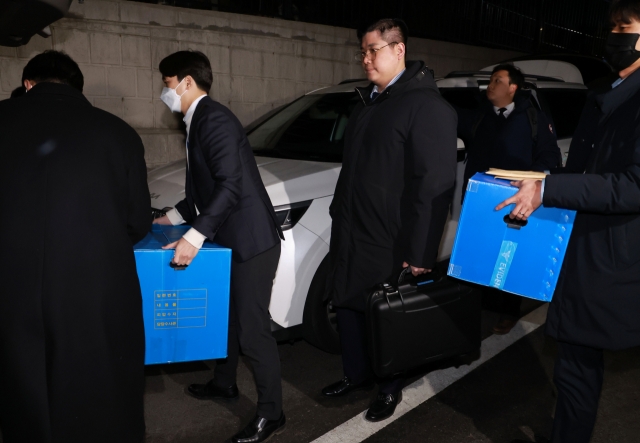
x=596, y=304
x=392, y=197
x=500, y=135
x=75, y=199
x=226, y=202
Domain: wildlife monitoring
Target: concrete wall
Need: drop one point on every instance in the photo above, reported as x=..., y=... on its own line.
x=258, y=63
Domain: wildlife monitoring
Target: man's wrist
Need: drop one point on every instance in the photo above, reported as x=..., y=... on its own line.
x=195, y=238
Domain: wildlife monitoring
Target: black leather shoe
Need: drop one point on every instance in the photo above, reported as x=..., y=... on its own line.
x=209, y=391
x=344, y=386
x=383, y=407
x=259, y=430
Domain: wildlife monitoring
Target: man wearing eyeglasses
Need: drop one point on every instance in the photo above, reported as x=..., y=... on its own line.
x=392, y=197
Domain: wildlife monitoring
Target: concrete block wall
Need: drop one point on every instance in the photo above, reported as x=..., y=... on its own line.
x=258, y=63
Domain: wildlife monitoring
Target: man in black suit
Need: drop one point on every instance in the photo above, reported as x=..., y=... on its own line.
x=500, y=134
x=75, y=200
x=596, y=304
x=226, y=202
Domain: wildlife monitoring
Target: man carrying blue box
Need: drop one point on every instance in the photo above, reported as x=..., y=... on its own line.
x=226, y=201
x=596, y=304
x=508, y=132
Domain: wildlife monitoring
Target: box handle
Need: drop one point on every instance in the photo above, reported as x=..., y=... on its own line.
x=514, y=223
x=177, y=267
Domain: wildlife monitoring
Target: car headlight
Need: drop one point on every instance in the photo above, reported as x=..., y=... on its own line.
x=289, y=215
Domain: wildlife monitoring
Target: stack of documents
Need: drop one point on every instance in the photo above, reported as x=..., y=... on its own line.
x=516, y=175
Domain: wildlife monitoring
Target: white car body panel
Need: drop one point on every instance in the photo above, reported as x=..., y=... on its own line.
x=302, y=252
x=317, y=219
x=293, y=181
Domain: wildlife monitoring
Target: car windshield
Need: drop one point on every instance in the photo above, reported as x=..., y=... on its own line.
x=311, y=128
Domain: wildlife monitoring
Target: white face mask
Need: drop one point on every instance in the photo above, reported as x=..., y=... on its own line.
x=171, y=98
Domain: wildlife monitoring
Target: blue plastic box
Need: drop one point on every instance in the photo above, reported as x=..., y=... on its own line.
x=186, y=312
x=491, y=250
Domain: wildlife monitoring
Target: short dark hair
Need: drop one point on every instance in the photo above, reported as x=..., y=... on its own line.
x=56, y=67
x=390, y=29
x=624, y=11
x=193, y=63
x=515, y=75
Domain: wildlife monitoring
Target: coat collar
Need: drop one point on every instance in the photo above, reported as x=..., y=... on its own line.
x=413, y=69
x=611, y=100
x=59, y=89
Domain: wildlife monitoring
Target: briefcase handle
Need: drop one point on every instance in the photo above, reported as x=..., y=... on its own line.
x=407, y=278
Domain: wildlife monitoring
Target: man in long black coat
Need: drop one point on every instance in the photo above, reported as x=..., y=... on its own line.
x=392, y=197
x=75, y=200
x=596, y=304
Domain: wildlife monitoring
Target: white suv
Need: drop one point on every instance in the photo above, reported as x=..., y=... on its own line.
x=298, y=149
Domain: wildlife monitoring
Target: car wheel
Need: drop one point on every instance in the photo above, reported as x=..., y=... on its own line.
x=319, y=318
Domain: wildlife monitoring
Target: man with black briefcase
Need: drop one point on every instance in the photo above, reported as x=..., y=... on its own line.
x=392, y=197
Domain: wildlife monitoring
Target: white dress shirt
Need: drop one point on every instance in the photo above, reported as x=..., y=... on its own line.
x=509, y=109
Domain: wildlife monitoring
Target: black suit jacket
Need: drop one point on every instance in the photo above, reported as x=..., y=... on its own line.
x=223, y=182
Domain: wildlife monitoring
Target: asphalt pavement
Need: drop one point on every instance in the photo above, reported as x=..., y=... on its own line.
x=504, y=393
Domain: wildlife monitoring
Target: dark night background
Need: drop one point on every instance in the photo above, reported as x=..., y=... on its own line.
x=531, y=26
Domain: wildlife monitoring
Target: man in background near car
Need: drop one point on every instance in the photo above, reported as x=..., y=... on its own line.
x=596, y=304
x=392, y=197
x=226, y=202
x=507, y=132
x=75, y=199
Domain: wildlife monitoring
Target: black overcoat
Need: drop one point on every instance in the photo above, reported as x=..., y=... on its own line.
x=74, y=200
x=395, y=186
x=597, y=299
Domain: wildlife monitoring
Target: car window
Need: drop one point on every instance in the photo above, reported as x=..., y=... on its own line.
x=464, y=98
x=565, y=107
x=310, y=128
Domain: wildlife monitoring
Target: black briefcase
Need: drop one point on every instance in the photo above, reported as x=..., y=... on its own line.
x=420, y=320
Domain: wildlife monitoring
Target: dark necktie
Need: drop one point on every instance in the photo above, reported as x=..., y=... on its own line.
x=502, y=111
x=374, y=95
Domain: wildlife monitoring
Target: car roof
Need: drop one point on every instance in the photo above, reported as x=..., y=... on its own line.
x=471, y=81
x=481, y=79
x=557, y=69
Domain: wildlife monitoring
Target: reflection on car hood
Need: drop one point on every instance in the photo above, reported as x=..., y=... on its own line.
x=286, y=181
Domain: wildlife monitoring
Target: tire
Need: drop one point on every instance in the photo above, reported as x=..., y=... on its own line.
x=319, y=320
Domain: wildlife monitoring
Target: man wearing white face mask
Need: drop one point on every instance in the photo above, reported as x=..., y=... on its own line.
x=226, y=202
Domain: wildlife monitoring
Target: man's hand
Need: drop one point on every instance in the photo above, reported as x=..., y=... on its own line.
x=164, y=220
x=526, y=200
x=185, y=252
x=416, y=271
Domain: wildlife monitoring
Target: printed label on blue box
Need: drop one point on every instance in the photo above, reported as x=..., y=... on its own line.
x=501, y=269
x=183, y=308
